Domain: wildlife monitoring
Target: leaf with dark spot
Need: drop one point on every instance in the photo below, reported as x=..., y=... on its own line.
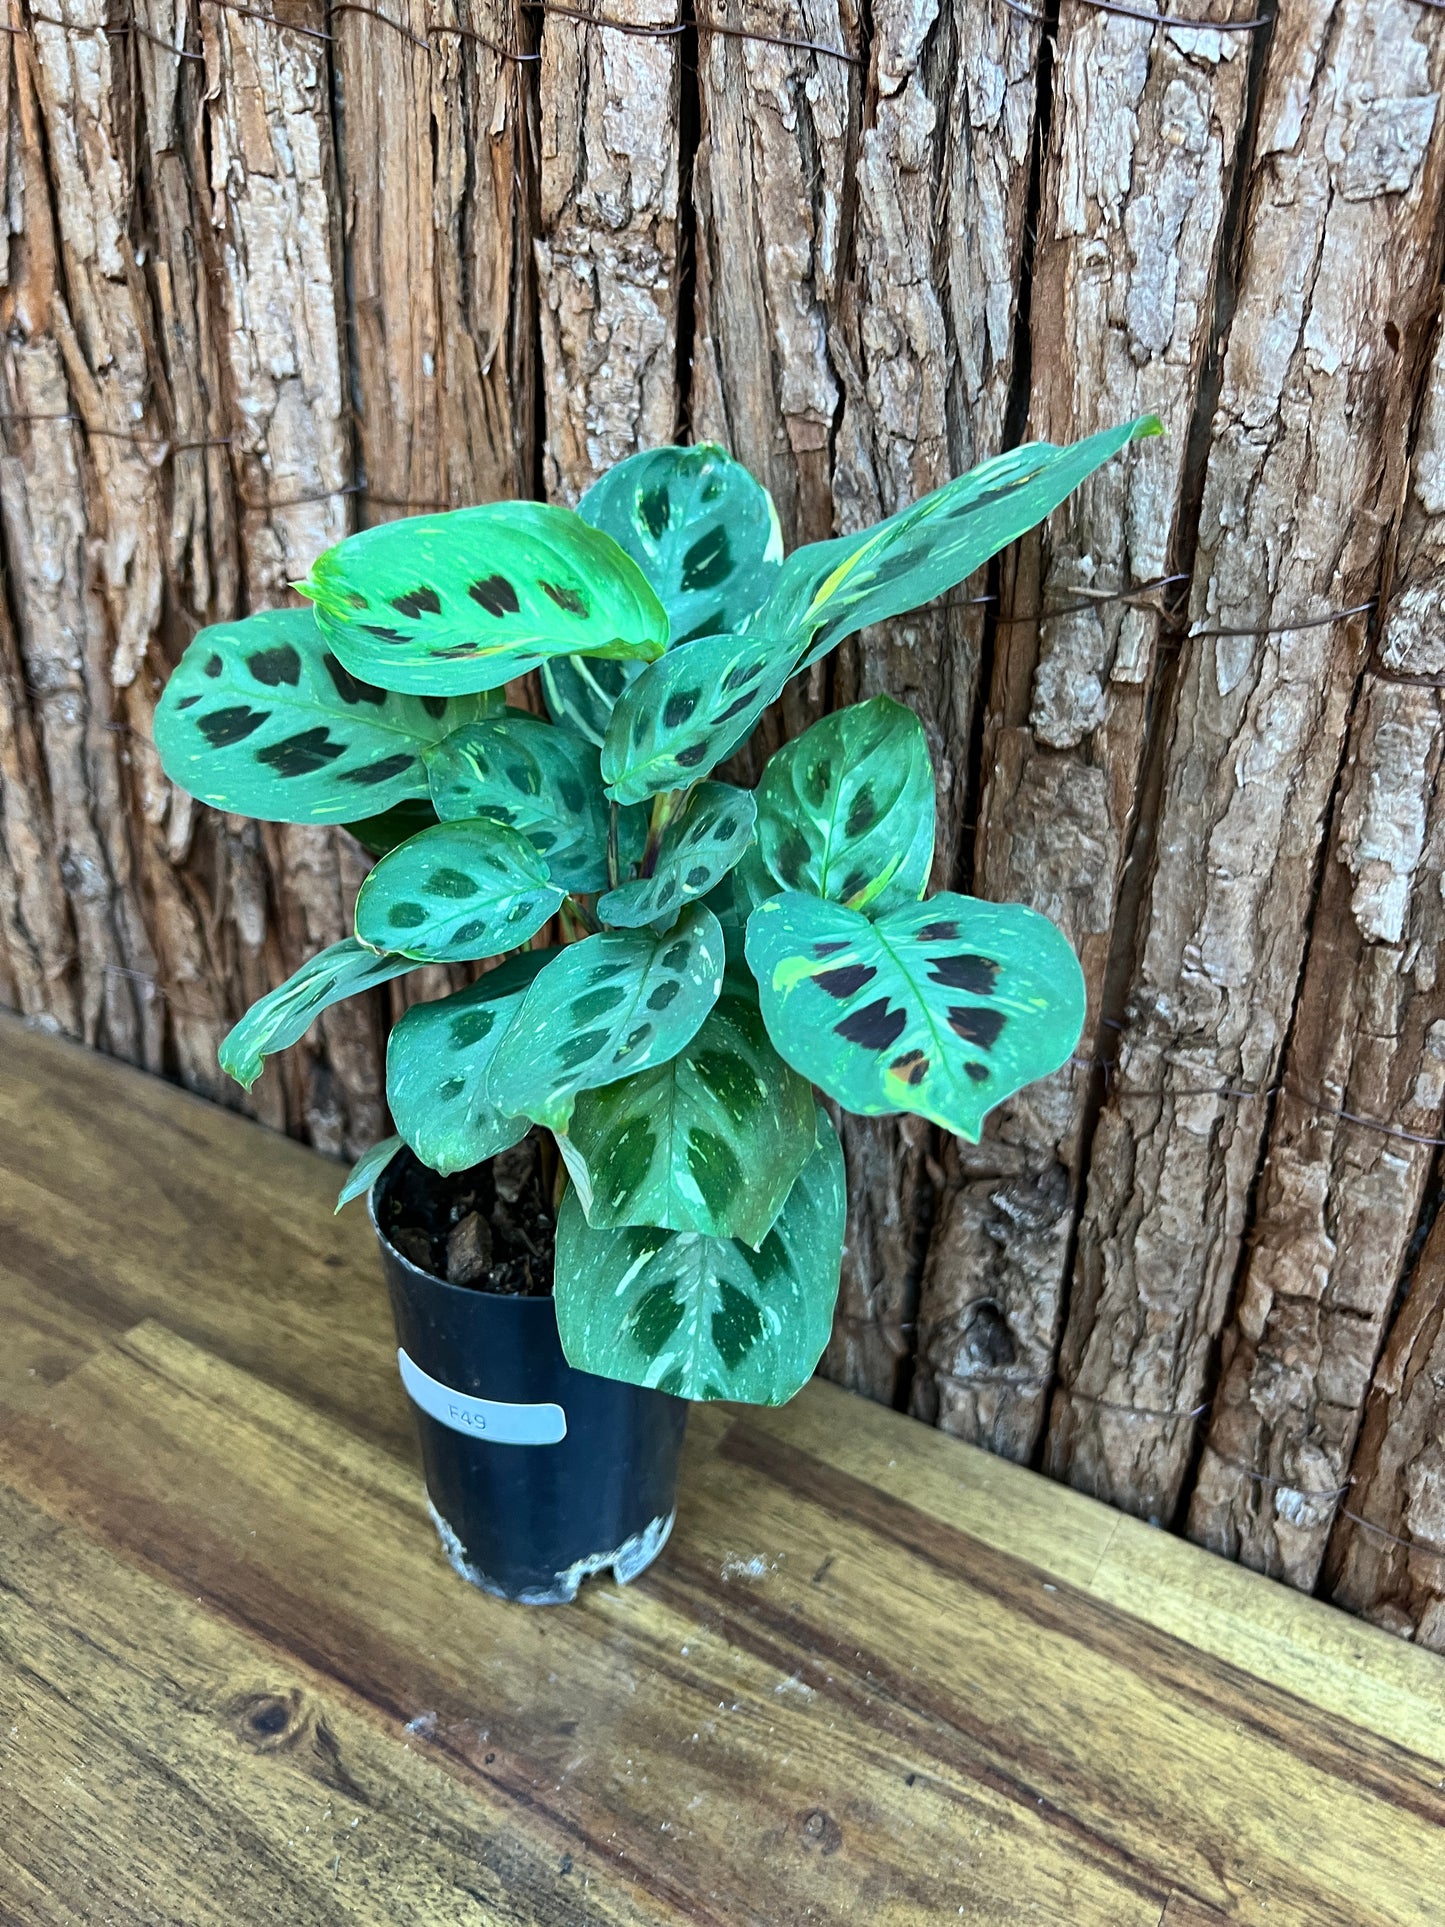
x=696, y=850
x=707, y=1317
x=854, y=1006
x=438, y=1061
x=846, y=809
x=494, y=594
x=977, y=975
x=301, y=753
x=709, y=1141
x=512, y=895
x=417, y=602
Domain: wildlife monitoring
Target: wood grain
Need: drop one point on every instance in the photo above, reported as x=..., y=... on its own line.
x=876, y=1675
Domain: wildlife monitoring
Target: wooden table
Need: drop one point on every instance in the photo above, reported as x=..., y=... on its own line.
x=876, y=1676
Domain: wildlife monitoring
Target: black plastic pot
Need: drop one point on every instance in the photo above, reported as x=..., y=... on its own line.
x=538, y=1475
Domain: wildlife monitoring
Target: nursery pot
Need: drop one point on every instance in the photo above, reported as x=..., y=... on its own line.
x=537, y=1475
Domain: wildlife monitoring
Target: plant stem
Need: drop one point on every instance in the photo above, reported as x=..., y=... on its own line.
x=665, y=806
x=614, y=867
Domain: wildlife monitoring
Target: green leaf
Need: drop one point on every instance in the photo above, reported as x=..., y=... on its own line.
x=710, y=1141
x=581, y=692
x=261, y=718
x=460, y=891
x=740, y=892
x=827, y=590
x=944, y=1008
x=846, y=809
x=703, y=532
x=612, y=1004
x=701, y=1317
x=442, y=603
x=438, y=1060
x=542, y=781
x=285, y=1014
x=382, y=833
x=686, y=714
x=698, y=847
x=367, y=1169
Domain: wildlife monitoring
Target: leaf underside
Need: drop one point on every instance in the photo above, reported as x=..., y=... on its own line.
x=710, y=1141
x=612, y=1004
x=438, y=1063
x=944, y=1008
x=696, y=851
x=438, y=604
x=284, y=1015
x=846, y=810
x=260, y=717
x=367, y=1169
x=708, y=1318
x=458, y=892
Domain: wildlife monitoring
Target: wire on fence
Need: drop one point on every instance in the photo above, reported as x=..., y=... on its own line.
x=1172, y=20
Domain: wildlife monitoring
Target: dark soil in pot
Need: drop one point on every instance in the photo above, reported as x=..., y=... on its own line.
x=491, y=1227
x=537, y=1474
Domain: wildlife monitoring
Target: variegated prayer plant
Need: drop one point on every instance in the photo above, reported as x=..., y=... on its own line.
x=726, y=954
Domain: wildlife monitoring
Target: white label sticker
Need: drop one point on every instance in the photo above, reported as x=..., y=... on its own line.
x=481, y=1418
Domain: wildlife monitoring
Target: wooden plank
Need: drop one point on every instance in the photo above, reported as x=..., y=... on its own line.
x=1341, y=1197
x=1143, y=137
x=1306, y=465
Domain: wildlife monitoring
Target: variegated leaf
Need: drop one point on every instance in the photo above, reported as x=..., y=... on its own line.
x=945, y=1007
x=367, y=1169
x=284, y=1015
x=710, y=1141
x=438, y=604
x=688, y=713
x=612, y=1004
x=259, y=717
x=543, y=782
x=458, y=892
x=740, y=892
x=438, y=1060
x=828, y=590
x=703, y=532
x=846, y=809
x=708, y=1318
x=698, y=848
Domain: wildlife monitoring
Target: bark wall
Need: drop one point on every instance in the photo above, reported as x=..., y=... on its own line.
x=268, y=276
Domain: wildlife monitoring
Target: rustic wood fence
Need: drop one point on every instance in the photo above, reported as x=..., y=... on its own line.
x=275, y=271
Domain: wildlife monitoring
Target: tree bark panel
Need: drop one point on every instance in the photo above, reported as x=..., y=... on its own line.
x=1305, y=469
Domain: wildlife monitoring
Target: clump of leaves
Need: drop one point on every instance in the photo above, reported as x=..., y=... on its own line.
x=731, y=953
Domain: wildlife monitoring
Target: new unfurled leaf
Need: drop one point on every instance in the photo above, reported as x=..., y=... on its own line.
x=438, y=604
x=696, y=850
x=846, y=809
x=703, y=532
x=460, y=891
x=261, y=718
x=438, y=1061
x=367, y=1169
x=944, y=1008
x=828, y=590
x=710, y=1141
x=284, y=1015
x=684, y=715
x=612, y=1004
x=708, y=1318
x=540, y=780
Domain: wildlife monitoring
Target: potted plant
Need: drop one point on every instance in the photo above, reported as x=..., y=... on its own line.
x=613, y=1188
